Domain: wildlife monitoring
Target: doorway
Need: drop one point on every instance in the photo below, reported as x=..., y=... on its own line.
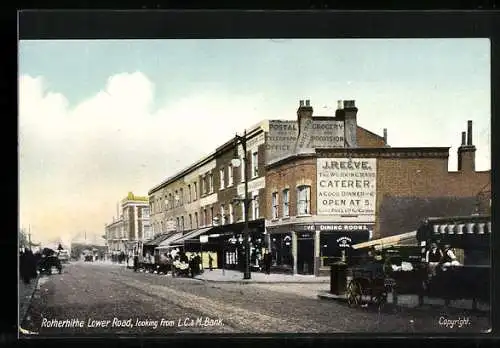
x=305, y=256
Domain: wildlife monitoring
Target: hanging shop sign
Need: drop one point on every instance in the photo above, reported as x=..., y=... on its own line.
x=346, y=186
x=304, y=235
x=344, y=242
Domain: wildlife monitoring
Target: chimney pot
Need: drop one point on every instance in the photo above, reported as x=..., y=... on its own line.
x=339, y=104
x=308, y=102
x=469, y=132
x=385, y=135
x=301, y=103
x=463, y=138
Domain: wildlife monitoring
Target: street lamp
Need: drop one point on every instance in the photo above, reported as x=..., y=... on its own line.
x=236, y=162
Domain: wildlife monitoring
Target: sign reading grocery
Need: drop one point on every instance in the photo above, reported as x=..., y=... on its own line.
x=284, y=139
x=346, y=187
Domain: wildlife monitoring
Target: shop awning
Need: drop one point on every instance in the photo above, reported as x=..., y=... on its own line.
x=192, y=235
x=409, y=238
x=158, y=239
x=168, y=242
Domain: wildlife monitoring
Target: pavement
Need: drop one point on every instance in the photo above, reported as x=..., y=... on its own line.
x=231, y=276
x=26, y=292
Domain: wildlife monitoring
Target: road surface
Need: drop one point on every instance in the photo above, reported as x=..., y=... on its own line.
x=101, y=299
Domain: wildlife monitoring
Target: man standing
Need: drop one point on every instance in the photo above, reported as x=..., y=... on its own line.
x=267, y=262
x=210, y=261
x=433, y=257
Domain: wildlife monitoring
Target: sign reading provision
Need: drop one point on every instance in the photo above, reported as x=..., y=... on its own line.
x=346, y=186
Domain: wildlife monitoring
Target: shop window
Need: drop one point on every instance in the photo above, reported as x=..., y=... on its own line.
x=274, y=199
x=303, y=200
x=281, y=250
x=286, y=203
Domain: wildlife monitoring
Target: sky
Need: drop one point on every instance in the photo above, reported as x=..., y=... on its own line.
x=100, y=118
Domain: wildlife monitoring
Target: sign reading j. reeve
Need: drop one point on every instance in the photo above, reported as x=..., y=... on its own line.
x=346, y=186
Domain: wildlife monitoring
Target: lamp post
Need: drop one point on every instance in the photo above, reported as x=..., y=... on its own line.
x=236, y=162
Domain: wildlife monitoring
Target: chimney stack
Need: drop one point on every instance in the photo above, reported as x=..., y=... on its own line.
x=350, y=123
x=467, y=152
x=385, y=136
x=301, y=103
x=469, y=133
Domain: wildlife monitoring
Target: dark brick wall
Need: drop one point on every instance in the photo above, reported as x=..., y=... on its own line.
x=403, y=214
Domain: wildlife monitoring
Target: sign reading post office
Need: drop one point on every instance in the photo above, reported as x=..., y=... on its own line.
x=347, y=187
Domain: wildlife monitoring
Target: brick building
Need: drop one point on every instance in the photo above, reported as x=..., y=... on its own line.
x=131, y=227
x=323, y=200
x=203, y=198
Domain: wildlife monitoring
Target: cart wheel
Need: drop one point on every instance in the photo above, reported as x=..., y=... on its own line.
x=354, y=294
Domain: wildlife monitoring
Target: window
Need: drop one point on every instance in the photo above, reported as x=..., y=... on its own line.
x=195, y=191
x=205, y=217
x=178, y=224
x=255, y=164
x=242, y=210
x=145, y=212
x=286, y=202
x=221, y=176
x=176, y=199
x=243, y=168
x=205, y=184
x=181, y=197
x=303, y=200
x=190, y=221
x=222, y=216
x=170, y=202
x=210, y=183
x=230, y=175
x=189, y=194
x=211, y=216
x=231, y=214
x=196, y=220
x=182, y=223
x=275, y=205
x=255, y=203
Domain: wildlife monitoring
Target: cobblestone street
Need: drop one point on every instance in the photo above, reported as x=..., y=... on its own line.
x=100, y=295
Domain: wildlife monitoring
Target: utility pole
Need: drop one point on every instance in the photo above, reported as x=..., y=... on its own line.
x=29, y=236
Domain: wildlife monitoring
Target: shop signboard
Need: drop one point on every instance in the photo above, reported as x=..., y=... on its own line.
x=347, y=187
x=203, y=239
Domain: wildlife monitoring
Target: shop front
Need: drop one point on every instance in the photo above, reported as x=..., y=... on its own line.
x=311, y=248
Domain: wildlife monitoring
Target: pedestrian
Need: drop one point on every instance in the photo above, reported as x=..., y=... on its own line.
x=267, y=262
x=210, y=261
x=433, y=257
x=136, y=262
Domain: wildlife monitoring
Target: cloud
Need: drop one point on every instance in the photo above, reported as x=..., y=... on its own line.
x=77, y=161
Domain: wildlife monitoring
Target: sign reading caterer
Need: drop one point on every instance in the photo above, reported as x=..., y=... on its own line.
x=346, y=186
x=284, y=139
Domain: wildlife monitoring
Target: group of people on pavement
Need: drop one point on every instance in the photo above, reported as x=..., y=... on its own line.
x=435, y=257
x=28, y=262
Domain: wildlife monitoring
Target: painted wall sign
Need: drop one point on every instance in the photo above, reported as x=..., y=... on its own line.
x=345, y=227
x=346, y=186
x=254, y=185
x=284, y=139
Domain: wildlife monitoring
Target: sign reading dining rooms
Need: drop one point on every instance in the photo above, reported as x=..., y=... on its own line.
x=346, y=187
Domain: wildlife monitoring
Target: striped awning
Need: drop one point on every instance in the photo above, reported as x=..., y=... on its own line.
x=408, y=238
